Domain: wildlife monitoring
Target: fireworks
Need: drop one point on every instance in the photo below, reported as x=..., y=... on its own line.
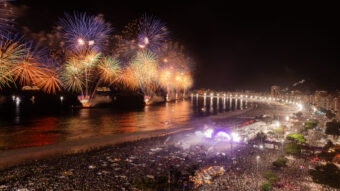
x=178, y=80
x=50, y=82
x=71, y=77
x=27, y=73
x=171, y=54
x=145, y=72
x=21, y=62
x=147, y=33
x=30, y=68
x=128, y=78
x=81, y=30
x=174, y=61
x=130, y=31
x=140, y=58
x=5, y=17
x=126, y=49
x=152, y=33
x=78, y=71
x=11, y=53
x=109, y=69
x=172, y=71
x=186, y=81
x=165, y=78
x=85, y=69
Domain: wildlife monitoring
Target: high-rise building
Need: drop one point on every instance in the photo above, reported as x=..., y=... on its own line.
x=275, y=91
x=320, y=99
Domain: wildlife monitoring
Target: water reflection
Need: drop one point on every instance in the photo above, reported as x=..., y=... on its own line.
x=224, y=103
x=37, y=133
x=22, y=131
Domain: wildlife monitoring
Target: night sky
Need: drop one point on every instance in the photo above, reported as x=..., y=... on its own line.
x=234, y=46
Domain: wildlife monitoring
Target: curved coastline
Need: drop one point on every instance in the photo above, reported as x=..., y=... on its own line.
x=18, y=156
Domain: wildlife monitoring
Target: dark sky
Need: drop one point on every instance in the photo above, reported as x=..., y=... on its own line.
x=234, y=46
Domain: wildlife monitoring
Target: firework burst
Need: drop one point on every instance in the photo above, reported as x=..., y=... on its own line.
x=6, y=17
x=174, y=61
x=165, y=78
x=50, y=82
x=144, y=70
x=128, y=79
x=108, y=69
x=79, y=73
x=80, y=30
x=29, y=70
x=11, y=53
x=146, y=33
x=152, y=33
x=187, y=81
x=71, y=76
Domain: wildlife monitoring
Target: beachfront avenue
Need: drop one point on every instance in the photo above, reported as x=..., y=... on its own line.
x=257, y=149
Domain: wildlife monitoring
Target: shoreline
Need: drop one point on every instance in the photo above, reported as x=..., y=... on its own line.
x=15, y=157
x=159, y=162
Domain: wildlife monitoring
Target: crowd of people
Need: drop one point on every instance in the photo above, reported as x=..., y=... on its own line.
x=138, y=165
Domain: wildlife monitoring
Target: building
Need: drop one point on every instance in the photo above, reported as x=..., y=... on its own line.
x=275, y=91
x=320, y=99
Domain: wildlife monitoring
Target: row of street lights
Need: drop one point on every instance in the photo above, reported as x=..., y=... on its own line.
x=251, y=97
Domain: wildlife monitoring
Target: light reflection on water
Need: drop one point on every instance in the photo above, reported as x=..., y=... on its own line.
x=19, y=132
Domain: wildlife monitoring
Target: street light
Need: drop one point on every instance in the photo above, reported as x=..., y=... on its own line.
x=277, y=124
x=17, y=100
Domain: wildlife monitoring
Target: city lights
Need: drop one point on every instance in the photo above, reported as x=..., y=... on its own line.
x=277, y=124
x=17, y=100
x=118, y=95
x=208, y=133
x=222, y=136
x=235, y=137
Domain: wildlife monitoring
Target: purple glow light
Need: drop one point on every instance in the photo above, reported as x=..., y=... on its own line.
x=236, y=137
x=79, y=29
x=208, y=133
x=222, y=136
